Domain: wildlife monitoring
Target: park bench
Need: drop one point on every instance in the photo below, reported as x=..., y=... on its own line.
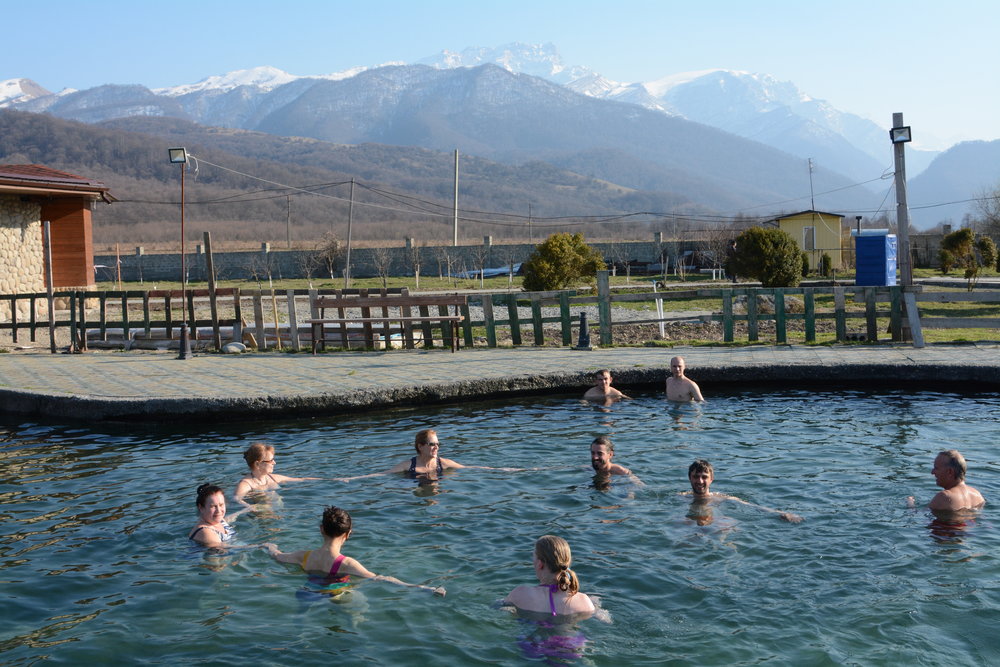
x=383, y=315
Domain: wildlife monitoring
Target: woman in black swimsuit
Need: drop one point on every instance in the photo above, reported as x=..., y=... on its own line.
x=427, y=464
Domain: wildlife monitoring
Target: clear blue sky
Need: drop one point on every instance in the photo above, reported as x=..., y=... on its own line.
x=934, y=61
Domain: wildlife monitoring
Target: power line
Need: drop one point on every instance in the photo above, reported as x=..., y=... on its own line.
x=427, y=207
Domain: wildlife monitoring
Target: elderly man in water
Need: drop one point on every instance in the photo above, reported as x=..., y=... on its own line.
x=949, y=473
x=680, y=387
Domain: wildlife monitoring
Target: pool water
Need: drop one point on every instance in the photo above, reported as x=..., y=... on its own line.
x=95, y=565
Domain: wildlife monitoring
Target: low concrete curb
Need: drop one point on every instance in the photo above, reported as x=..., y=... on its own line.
x=157, y=387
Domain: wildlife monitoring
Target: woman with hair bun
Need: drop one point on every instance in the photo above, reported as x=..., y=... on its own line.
x=558, y=590
x=329, y=570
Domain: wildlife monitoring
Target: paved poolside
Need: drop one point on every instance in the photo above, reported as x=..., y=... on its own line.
x=157, y=386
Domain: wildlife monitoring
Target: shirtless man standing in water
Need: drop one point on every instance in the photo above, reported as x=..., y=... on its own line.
x=680, y=387
x=949, y=473
x=602, y=389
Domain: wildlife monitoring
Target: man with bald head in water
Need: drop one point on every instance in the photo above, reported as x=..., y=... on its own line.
x=680, y=387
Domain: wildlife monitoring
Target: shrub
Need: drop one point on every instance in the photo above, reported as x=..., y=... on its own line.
x=768, y=255
x=826, y=265
x=805, y=264
x=562, y=260
x=962, y=249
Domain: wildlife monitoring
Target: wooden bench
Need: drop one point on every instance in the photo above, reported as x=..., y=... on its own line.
x=403, y=306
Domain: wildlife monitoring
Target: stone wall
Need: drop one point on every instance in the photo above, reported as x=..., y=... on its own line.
x=138, y=265
x=291, y=263
x=21, y=253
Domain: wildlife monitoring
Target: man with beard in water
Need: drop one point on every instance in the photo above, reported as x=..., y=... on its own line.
x=602, y=450
x=701, y=474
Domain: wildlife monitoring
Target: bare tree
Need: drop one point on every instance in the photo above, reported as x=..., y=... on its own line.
x=445, y=261
x=329, y=253
x=258, y=268
x=618, y=254
x=308, y=264
x=714, y=244
x=382, y=259
x=507, y=255
x=988, y=212
x=441, y=256
x=481, y=253
x=413, y=256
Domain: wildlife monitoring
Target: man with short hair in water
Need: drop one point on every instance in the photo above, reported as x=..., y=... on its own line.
x=701, y=474
x=602, y=389
x=949, y=473
x=679, y=386
x=602, y=450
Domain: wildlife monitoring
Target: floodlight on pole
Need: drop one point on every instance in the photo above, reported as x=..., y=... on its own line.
x=900, y=135
x=180, y=156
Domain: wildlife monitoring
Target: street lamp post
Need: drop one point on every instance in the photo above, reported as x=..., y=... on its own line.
x=899, y=135
x=180, y=156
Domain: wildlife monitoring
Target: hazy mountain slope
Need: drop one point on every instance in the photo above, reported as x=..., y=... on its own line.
x=961, y=173
x=133, y=163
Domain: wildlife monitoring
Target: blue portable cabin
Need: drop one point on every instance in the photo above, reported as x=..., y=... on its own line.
x=875, y=257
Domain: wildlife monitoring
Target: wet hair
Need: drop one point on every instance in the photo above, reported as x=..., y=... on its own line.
x=602, y=372
x=554, y=553
x=336, y=522
x=423, y=437
x=256, y=452
x=955, y=461
x=206, y=491
x=701, y=465
x=604, y=440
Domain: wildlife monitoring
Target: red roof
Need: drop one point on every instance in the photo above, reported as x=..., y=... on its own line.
x=35, y=177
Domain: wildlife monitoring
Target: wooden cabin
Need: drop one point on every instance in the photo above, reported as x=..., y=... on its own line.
x=816, y=232
x=31, y=194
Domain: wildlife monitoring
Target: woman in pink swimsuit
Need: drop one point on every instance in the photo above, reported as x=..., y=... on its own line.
x=558, y=589
x=327, y=567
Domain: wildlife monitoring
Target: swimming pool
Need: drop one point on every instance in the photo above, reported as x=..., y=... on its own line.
x=95, y=566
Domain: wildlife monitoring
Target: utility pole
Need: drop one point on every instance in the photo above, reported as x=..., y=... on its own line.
x=288, y=222
x=350, y=227
x=530, y=236
x=812, y=199
x=454, y=240
x=900, y=135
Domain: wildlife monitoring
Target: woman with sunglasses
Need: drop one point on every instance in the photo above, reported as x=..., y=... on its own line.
x=260, y=459
x=427, y=464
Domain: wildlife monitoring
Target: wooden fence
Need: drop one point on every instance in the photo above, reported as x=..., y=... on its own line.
x=269, y=319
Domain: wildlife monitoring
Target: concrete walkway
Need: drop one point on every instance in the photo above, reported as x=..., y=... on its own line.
x=157, y=386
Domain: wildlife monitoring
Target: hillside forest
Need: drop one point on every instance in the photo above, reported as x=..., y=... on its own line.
x=248, y=187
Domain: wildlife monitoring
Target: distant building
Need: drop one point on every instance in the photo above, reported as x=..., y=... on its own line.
x=30, y=194
x=816, y=232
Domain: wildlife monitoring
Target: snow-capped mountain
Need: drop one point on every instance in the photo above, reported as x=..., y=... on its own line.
x=755, y=106
x=541, y=60
x=264, y=79
x=15, y=91
x=394, y=104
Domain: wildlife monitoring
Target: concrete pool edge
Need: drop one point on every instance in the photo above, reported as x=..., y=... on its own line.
x=271, y=387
